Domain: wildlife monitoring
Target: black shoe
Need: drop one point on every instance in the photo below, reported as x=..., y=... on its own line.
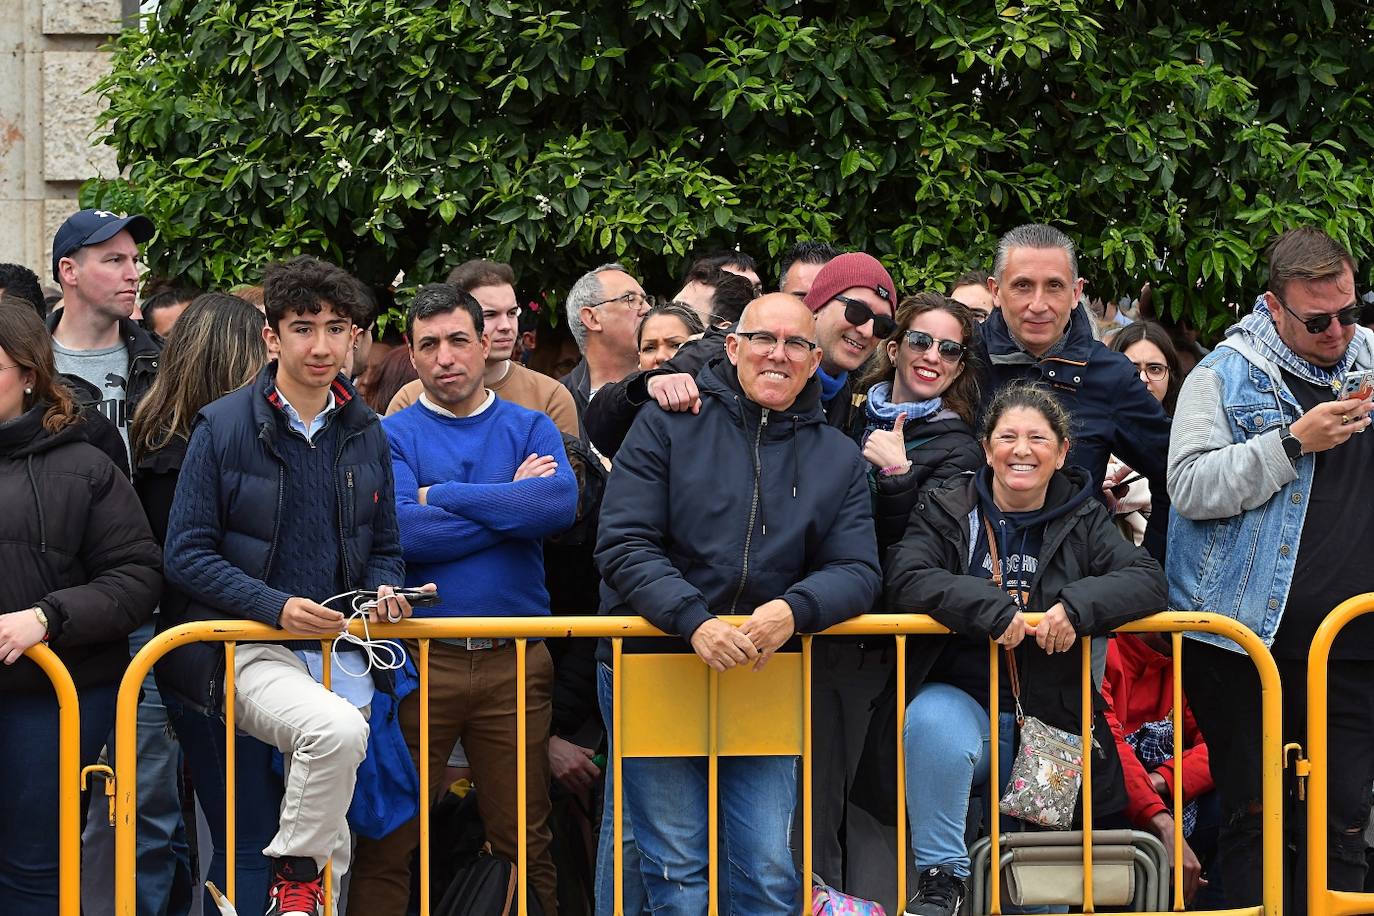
x=296, y=887
x=940, y=894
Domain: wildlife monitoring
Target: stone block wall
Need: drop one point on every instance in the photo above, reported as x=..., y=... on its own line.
x=49, y=58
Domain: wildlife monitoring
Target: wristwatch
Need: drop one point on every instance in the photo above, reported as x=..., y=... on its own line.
x=43, y=619
x=1291, y=446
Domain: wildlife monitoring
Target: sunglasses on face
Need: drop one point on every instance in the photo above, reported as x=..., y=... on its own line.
x=859, y=314
x=1319, y=323
x=951, y=351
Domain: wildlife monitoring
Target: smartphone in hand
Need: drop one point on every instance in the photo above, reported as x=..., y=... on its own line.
x=1357, y=384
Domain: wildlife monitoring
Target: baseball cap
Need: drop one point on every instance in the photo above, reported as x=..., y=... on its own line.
x=91, y=227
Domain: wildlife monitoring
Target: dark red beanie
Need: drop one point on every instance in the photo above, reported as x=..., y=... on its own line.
x=846, y=272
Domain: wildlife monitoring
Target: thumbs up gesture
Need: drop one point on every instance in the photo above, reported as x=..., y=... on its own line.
x=886, y=449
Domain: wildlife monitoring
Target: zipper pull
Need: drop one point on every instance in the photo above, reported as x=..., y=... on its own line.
x=349, y=474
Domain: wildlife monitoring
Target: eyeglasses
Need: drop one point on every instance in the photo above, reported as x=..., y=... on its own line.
x=1155, y=372
x=951, y=351
x=859, y=314
x=762, y=343
x=633, y=299
x=1319, y=323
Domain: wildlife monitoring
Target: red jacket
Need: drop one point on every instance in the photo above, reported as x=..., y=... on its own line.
x=1139, y=688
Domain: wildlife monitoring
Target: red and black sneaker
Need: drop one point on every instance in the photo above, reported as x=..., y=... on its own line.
x=296, y=888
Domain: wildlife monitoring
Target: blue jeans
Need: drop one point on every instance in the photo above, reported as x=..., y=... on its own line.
x=758, y=796
x=257, y=802
x=163, y=863
x=633, y=885
x=947, y=744
x=28, y=808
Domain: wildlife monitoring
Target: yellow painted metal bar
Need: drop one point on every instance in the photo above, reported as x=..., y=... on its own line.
x=808, y=771
x=230, y=774
x=617, y=781
x=902, y=852
x=521, y=795
x=995, y=777
x=68, y=778
x=1086, y=711
x=1321, y=901
x=424, y=777
x=327, y=672
x=1177, y=713
x=713, y=789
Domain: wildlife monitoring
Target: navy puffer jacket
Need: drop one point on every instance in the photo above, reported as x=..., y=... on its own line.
x=722, y=511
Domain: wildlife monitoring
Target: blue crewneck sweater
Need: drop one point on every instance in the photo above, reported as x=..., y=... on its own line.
x=479, y=538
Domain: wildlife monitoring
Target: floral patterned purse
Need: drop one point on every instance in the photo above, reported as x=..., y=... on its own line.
x=1048, y=770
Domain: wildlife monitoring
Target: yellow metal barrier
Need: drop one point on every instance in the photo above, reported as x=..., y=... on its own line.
x=68, y=779
x=1321, y=900
x=779, y=725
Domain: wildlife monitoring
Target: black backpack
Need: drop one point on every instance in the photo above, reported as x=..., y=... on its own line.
x=486, y=886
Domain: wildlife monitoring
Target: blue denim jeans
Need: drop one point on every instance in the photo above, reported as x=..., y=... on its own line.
x=257, y=802
x=28, y=807
x=947, y=745
x=633, y=889
x=667, y=798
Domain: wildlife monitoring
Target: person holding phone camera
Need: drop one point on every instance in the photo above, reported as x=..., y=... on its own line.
x=1265, y=463
x=285, y=499
x=480, y=482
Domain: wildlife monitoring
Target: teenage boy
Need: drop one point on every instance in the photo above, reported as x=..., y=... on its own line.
x=285, y=499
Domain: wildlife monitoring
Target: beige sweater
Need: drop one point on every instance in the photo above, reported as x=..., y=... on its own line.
x=520, y=386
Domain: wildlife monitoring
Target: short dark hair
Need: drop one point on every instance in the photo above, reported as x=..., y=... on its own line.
x=1305, y=254
x=805, y=252
x=480, y=272
x=440, y=299
x=165, y=299
x=306, y=284
x=1151, y=332
x=970, y=278
x=1034, y=396
x=18, y=282
x=736, y=259
x=732, y=294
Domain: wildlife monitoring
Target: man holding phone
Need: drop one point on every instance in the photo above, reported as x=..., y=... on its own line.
x=480, y=482
x=1264, y=466
x=285, y=500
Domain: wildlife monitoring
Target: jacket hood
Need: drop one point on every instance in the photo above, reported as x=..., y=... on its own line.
x=720, y=379
x=24, y=435
x=1069, y=488
x=1002, y=347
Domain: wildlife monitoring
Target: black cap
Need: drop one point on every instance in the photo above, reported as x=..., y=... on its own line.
x=91, y=227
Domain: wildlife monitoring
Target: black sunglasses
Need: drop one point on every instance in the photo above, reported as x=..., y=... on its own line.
x=1318, y=324
x=859, y=314
x=951, y=351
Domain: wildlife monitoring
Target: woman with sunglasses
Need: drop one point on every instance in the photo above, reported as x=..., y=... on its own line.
x=914, y=425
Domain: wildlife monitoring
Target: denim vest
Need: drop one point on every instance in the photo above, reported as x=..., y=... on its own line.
x=1242, y=566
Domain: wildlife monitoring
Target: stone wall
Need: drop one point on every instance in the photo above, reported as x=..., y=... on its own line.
x=49, y=57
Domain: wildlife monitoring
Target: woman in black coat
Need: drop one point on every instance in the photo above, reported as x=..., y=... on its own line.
x=1056, y=550
x=215, y=348
x=81, y=572
x=914, y=426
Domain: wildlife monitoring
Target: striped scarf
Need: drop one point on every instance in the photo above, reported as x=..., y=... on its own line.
x=1258, y=326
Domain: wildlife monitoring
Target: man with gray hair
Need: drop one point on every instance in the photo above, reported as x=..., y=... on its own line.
x=1036, y=333
x=604, y=306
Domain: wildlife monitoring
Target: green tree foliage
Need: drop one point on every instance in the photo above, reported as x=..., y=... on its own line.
x=1172, y=140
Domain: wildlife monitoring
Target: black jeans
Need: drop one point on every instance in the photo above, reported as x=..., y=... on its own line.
x=1223, y=690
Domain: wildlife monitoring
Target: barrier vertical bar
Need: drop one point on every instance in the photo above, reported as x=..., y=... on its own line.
x=995, y=778
x=126, y=784
x=617, y=737
x=230, y=774
x=521, y=767
x=901, y=771
x=1177, y=715
x=424, y=777
x=713, y=787
x=68, y=778
x=807, y=773
x=327, y=673
x=1086, y=711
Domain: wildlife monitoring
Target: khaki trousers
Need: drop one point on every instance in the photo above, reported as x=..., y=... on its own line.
x=472, y=698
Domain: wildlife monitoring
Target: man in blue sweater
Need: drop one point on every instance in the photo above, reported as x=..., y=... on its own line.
x=285, y=500
x=479, y=483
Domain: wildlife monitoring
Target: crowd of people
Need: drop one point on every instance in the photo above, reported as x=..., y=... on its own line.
x=835, y=448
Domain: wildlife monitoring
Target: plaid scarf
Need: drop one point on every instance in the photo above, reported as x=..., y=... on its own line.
x=1153, y=743
x=1259, y=328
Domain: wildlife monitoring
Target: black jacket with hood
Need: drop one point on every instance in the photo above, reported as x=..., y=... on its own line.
x=144, y=355
x=722, y=511
x=1102, y=580
x=75, y=543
